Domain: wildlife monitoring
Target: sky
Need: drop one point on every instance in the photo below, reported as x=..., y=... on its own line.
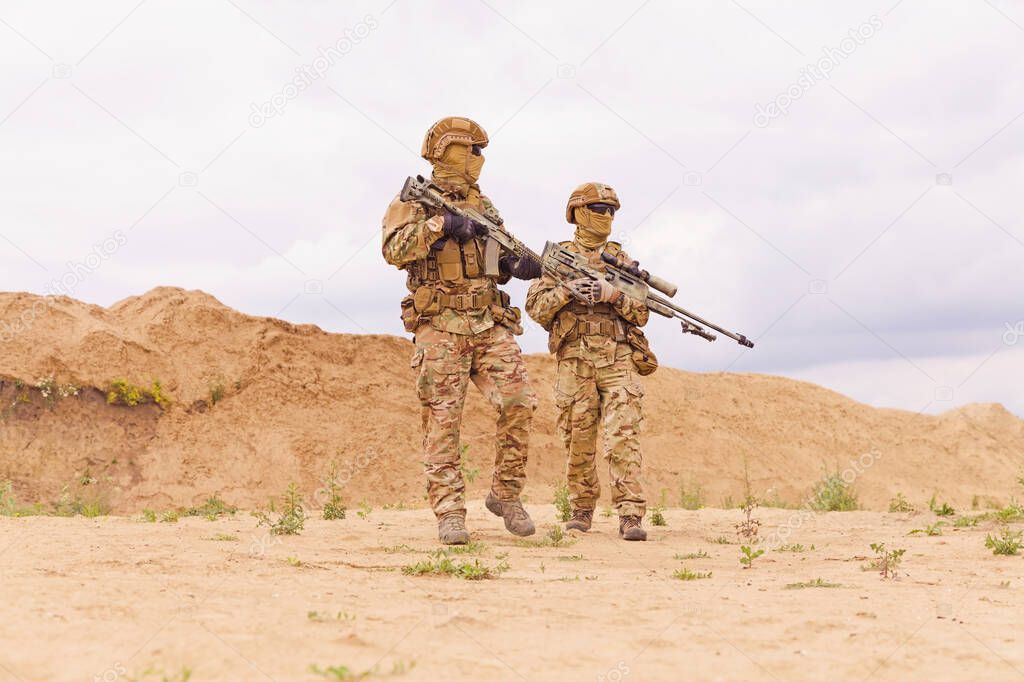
x=839, y=181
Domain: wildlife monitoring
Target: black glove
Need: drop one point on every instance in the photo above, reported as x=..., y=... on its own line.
x=523, y=267
x=458, y=227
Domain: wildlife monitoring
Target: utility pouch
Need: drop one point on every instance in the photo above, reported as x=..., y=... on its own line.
x=449, y=262
x=471, y=258
x=562, y=327
x=410, y=318
x=646, y=362
x=425, y=301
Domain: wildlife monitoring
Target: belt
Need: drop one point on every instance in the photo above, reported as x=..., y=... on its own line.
x=610, y=328
x=466, y=301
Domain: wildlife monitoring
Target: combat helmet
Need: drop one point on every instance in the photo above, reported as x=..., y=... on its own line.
x=448, y=130
x=590, y=193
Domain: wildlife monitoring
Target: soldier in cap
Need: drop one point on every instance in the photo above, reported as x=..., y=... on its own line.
x=597, y=382
x=464, y=328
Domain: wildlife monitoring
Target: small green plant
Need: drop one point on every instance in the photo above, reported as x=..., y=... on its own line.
x=292, y=518
x=469, y=472
x=334, y=508
x=887, y=561
x=817, y=582
x=554, y=537
x=748, y=556
x=1010, y=513
x=687, y=574
x=211, y=510
x=217, y=392
x=797, y=548
x=440, y=563
x=748, y=528
x=149, y=516
x=967, y=521
x=170, y=516
x=473, y=547
x=336, y=672
x=900, y=504
x=364, y=510
x=607, y=512
x=52, y=391
x=720, y=540
x=91, y=505
x=8, y=504
x=940, y=509
x=692, y=499
x=658, y=512
x=294, y=562
x=400, y=549
x=123, y=392
x=833, y=493
x=561, y=501
x=1008, y=543
x=321, y=617
x=930, y=530
x=224, y=537
x=692, y=555
x=152, y=674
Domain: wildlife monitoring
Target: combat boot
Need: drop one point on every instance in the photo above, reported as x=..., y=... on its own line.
x=517, y=521
x=581, y=520
x=451, y=529
x=630, y=529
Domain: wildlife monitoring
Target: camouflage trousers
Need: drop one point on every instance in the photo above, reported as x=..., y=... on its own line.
x=609, y=396
x=493, y=361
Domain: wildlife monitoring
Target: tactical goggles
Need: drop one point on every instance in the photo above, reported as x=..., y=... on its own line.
x=601, y=207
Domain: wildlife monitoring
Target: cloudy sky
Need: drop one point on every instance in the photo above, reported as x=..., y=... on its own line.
x=839, y=181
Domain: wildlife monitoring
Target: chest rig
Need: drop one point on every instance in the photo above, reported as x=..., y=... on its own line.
x=576, y=319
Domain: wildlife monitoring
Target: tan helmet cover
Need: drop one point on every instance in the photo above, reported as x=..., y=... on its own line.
x=590, y=193
x=448, y=130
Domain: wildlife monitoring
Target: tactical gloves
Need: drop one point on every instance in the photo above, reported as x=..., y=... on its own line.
x=592, y=291
x=523, y=267
x=460, y=228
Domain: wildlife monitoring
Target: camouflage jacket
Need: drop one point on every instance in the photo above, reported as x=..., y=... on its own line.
x=410, y=237
x=552, y=307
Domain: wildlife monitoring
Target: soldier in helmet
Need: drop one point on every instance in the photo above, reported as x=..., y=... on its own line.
x=597, y=377
x=464, y=330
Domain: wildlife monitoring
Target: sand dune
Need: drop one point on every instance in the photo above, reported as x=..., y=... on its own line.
x=257, y=403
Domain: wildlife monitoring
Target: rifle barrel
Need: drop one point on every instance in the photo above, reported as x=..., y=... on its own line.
x=665, y=303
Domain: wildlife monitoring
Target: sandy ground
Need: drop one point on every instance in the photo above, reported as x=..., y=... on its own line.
x=119, y=599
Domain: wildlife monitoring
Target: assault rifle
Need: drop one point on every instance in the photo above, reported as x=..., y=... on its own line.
x=497, y=242
x=565, y=265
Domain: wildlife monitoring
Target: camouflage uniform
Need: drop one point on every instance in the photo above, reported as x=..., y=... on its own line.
x=464, y=329
x=597, y=383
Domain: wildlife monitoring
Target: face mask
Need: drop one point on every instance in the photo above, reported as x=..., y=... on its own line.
x=458, y=166
x=592, y=229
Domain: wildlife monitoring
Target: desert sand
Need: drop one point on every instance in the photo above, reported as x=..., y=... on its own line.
x=292, y=399
x=84, y=598
x=249, y=405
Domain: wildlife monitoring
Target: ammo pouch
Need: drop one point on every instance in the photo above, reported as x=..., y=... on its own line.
x=410, y=318
x=646, y=362
x=503, y=313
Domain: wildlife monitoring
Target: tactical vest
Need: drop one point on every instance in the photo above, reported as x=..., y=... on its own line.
x=452, y=277
x=577, y=319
